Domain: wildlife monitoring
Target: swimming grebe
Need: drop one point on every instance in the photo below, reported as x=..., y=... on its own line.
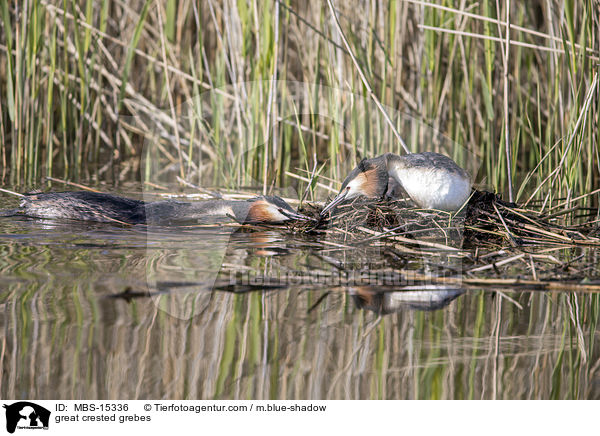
x=431, y=180
x=100, y=207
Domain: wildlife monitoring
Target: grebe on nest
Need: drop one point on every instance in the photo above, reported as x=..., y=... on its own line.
x=431, y=180
x=100, y=207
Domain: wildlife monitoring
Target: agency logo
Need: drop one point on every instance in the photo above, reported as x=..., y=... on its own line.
x=26, y=415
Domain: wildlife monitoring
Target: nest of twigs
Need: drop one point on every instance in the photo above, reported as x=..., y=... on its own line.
x=486, y=220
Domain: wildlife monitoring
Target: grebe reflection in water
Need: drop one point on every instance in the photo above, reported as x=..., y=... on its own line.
x=427, y=297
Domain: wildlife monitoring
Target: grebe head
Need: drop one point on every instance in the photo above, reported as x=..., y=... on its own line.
x=369, y=178
x=266, y=209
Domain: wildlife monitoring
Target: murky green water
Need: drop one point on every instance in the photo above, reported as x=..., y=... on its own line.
x=103, y=311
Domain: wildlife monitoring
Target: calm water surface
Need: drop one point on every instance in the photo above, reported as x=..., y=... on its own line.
x=101, y=311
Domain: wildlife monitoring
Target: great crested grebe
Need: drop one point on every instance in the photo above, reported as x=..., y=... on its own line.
x=431, y=180
x=100, y=207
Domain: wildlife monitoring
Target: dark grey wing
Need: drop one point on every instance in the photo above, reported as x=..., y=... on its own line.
x=436, y=160
x=81, y=205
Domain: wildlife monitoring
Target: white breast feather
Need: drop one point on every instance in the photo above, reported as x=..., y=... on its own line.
x=433, y=188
